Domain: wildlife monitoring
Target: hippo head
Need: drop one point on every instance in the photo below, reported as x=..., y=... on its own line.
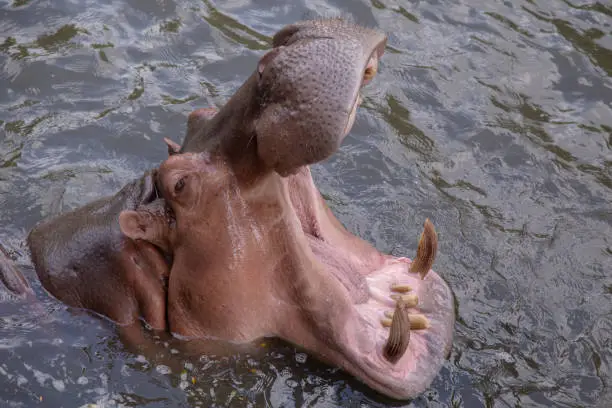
x=258, y=253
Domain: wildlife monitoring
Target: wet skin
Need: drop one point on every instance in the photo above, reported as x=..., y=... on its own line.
x=278, y=263
x=247, y=180
x=82, y=258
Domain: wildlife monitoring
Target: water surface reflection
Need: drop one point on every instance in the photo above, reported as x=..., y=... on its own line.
x=494, y=119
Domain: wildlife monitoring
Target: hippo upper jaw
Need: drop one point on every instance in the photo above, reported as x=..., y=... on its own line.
x=299, y=104
x=298, y=273
x=311, y=85
x=368, y=73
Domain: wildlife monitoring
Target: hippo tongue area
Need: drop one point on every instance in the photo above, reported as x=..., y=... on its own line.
x=428, y=347
x=369, y=279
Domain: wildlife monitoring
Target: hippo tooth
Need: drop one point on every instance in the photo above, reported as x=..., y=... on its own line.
x=426, y=251
x=399, y=334
x=401, y=288
x=417, y=320
x=409, y=300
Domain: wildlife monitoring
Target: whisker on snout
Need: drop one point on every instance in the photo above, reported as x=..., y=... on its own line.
x=250, y=140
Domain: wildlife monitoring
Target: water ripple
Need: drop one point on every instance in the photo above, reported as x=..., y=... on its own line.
x=493, y=119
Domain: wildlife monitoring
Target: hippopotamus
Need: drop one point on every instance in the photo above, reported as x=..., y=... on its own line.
x=257, y=252
x=230, y=238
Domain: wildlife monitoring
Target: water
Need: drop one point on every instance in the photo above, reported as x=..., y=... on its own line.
x=492, y=118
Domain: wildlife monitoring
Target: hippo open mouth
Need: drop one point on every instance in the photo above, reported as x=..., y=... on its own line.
x=400, y=329
x=294, y=272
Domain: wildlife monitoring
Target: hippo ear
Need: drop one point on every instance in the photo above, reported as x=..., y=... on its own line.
x=12, y=279
x=173, y=147
x=142, y=225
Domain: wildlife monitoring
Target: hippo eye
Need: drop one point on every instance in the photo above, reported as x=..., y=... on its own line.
x=179, y=185
x=369, y=73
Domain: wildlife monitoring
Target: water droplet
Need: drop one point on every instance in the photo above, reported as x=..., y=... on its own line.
x=59, y=385
x=300, y=358
x=163, y=369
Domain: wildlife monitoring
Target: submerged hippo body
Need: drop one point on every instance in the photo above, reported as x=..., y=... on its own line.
x=258, y=253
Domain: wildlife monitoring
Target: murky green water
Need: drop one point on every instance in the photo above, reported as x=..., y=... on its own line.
x=492, y=118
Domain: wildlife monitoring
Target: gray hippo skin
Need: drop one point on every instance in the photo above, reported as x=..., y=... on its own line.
x=257, y=252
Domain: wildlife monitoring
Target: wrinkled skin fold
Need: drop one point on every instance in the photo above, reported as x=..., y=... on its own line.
x=230, y=238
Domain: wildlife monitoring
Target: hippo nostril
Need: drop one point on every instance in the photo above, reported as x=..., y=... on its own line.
x=369, y=73
x=371, y=69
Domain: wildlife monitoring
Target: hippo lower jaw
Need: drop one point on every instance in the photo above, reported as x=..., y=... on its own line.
x=397, y=337
x=408, y=372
